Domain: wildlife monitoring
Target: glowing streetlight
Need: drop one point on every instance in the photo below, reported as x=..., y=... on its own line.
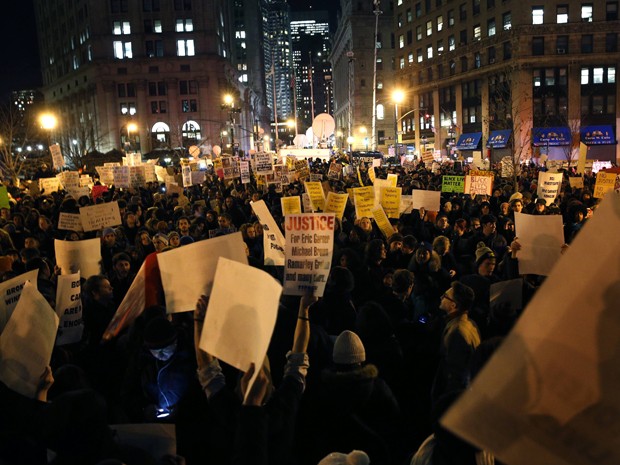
x=48, y=121
x=398, y=96
x=228, y=100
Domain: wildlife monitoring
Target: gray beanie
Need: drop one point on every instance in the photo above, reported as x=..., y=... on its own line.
x=348, y=349
x=483, y=252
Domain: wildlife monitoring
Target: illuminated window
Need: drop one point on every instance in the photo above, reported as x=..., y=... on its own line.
x=561, y=16
x=185, y=47
x=121, y=28
x=538, y=15
x=491, y=27
x=122, y=50
x=429, y=52
x=429, y=28
x=380, y=111
x=597, y=76
x=585, y=76
x=184, y=25
x=439, y=23
x=586, y=12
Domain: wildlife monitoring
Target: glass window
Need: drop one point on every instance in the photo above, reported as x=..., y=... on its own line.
x=538, y=46
x=429, y=28
x=401, y=41
x=538, y=15
x=121, y=27
x=463, y=12
x=409, y=15
x=439, y=23
x=410, y=57
x=611, y=75
x=597, y=76
x=401, y=62
x=185, y=47
x=477, y=60
x=429, y=51
x=491, y=27
x=420, y=56
x=451, y=43
x=562, y=77
x=587, y=43
x=440, y=47
x=418, y=10
x=562, y=45
x=611, y=11
x=184, y=25
x=537, y=80
x=561, y=15
x=475, y=4
x=400, y=20
x=586, y=12
x=477, y=32
x=122, y=49
x=380, y=112
x=507, y=21
x=450, y=17
x=611, y=42
x=418, y=33
x=550, y=77
x=585, y=76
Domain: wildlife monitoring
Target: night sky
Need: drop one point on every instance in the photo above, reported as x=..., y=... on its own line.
x=20, y=67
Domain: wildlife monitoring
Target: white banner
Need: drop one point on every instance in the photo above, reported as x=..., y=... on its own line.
x=10, y=291
x=429, y=200
x=83, y=256
x=541, y=238
x=58, y=161
x=273, y=240
x=244, y=167
x=103, y=215
x=69, y=309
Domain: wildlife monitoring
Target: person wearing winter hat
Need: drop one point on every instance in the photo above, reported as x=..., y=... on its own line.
x=160, y=241
x=348, y=351
x=489, y=236
x=174, y=240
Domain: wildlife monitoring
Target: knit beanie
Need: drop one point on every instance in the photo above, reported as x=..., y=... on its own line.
x=159, y=333
x=348, y=349
x=356, y=457
x=162, y=237
x=340, y=280
x=482, y=253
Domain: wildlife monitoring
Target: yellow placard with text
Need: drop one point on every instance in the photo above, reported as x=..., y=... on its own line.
x=336, y=203
x=291, y=205
x=605, y=182
x=315, y=192
x=383, y=222
x=371, y=174
x=393, y=178
x=364, y=201
x=390, y=201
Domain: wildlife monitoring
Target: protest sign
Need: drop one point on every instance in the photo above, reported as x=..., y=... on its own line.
x=106, y=174
x=549, y=186
x=159, y=439
x=186, y=173
x=244, y=168
x=548, y=396
x=4, y=198
x=58, y=161
x=477, y=159
x=376, y=162
x=69, y=309
x=309, y=249
x=576, y=182
x=581, y=161
x=541, y=238
x=160, y=173
x=382, y=221
x=97, y=191
x=27, y=341
x=103, y=215
x=305, y=201
x=290, y=205
x=478, y=185
x=273, y=240
x=316, y=177
x=335, y=169
x=149, y=173
x=85, y=180
x=10, y=290
x=359, y=177
x=428, y=158
x=406, y=204
x=605, y=182
x=83, y=256
x=78, y=192
x=131, y=306
x=69, y=180
x=453, y=184
x=264, y=163
x=364, y=201
x=183, y=289
x=390, y=201
x=302, y=170
x=137, y=176
x=197, y=177
x=429, y=200
x=336, y=203
x=238, y=325
x=507, y=293
x=317, y=197
x=371, y=174
x=228, y=167
x=393, y=179
x=508, y=169
x=48, y=185
x=121, y=176
x=70, y=222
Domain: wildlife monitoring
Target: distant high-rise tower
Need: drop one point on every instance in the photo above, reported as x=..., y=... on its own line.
x=311, y=49
x=278, y=57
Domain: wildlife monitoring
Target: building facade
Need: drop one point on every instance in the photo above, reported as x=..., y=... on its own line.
x=140, y=75
x=352, y=58
x=527, y=67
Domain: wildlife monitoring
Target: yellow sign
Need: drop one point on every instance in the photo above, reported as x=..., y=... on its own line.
x=383, y=222
x=359, y=176
x=581, y=161
x=393, y=178
x=317, y=198
x=291, y=205
x=605, y=182
x=336, y=203
x=390, y=201
x=371, y=174
x=364, y=201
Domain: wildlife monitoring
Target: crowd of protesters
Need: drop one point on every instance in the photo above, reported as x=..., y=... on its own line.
x=404, y=325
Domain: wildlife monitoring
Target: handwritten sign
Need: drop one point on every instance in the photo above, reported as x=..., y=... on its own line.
x=273, y=240
x=290, y=205
x=70, y=222
x=100, y=216
x=83, y=256
x=549, y=185
x=382, y=221
x=121, y=176
x=263, y=163
x=453, y=184
x=137, y=176
x=605, y=182
x=336, y=203
x=244, y=168
x=429, y=200
x=576, y=182
x=309, y=249
x=106, y=174
x=390, y=201
x=69, y=309
x=10, y=291
x=58, y=160
x=317, y=197
x=478, y=185
x=49, y=185
x=335, y=169
x=364, y=201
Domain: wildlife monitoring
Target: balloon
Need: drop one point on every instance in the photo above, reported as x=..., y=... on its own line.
x=217, y=150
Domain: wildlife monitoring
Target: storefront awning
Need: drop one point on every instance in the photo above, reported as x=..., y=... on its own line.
x=551, y=137
x=597, y=135
x=469, y=141
x=499, y=139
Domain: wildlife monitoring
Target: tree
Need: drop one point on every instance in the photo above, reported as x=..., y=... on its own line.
x=77, y=141
x=16, y=131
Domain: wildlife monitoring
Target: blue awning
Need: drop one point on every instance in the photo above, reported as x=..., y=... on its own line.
x=597, y=135
x=551, y=137
x=469, y=141
x=499, y=139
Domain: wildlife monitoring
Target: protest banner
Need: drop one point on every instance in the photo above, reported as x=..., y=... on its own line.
x=183, y=289
x=263, y=163
x=97, y=191
x=48, y=185
x=69, y=309
x=548, y=396
x=69, y=179
x=228, y=167
x=390, y=201
x=10, y=290
x=121, y=176
x=302, y=170
x=137, y=176
x=58, y=161
x=406, y=204
x=83, y=256
x=4, y=198
x=159, y=439
x=309, y=249
x=160, y=173
x=541, y=238
x=305, y=201
x=336, y=203
x=605, y=182
x=316, y=177
x=317, y=197
x=238, y=325
x=103, y=215
x=576, y=182
x=27, y=342
x=393, y=179
x=507, y=293
x=371, y=174
x=198, y=177
x=549, y=185
x=70, y=222
x=382, y=221
x=273, y=240
x=359, y=177
x=429, y=200
x=428, y=157
x=130, y=308
x=335, y=169
x=244, y=168
x=290, y=205
x=478, y=185
x=106, y=174
x=186, y=173
x=364, y=201
x=581, y=161
x=454, y=184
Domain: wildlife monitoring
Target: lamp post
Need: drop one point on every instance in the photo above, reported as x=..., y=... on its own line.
x=229, y=104
x=48, y=123
x=397, y=97
x=131, y=127
x=350, y=141
x=290, y=124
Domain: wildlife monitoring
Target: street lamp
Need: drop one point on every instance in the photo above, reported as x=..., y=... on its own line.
x=48, y=123
x=131, y=127
x=398, y=96
x=229, y=104
x=290, y=123
x=350, y=141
